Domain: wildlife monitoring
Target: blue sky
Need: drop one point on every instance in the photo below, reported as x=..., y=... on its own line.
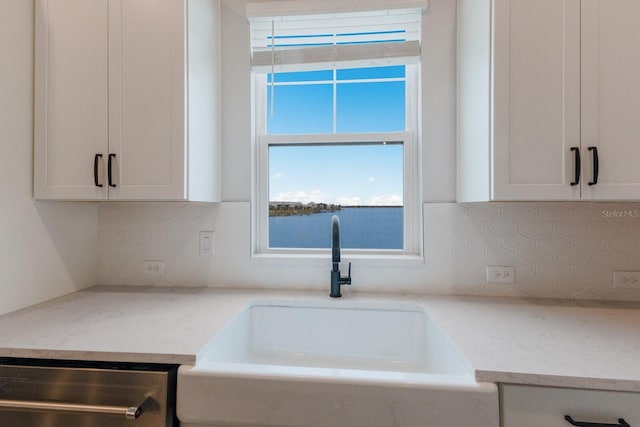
x=347, y=175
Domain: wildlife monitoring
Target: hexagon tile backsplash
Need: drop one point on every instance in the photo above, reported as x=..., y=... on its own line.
x=133, y=232
x=558, y=250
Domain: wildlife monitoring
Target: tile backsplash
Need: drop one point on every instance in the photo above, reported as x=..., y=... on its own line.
x=558, y=250
x=132, y=232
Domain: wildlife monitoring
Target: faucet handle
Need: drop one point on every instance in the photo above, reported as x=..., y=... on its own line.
x=347, y=279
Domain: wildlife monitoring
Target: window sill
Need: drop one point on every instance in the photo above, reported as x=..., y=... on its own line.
x=346, y=256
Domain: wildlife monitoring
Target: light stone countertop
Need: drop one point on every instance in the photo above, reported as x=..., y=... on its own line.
x=578, y=344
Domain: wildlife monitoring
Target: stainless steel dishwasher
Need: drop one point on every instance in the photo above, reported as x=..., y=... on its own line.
x=48, y=393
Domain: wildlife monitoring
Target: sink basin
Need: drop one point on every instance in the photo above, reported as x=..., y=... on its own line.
x=338, y=341
x=334, y=363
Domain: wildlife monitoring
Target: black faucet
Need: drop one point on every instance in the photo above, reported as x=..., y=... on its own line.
x=336, y=279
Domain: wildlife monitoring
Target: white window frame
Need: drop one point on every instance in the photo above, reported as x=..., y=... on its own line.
x=410, y=139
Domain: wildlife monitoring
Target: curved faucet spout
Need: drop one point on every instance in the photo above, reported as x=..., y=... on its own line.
x=336, y=278
x=335, y=239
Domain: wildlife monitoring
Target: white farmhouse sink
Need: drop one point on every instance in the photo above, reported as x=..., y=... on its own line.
x=279, y=338
x=331, y=363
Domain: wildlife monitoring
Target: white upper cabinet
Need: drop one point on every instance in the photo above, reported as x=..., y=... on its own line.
x=127, y=95
x=611, y=97
x=539, y=83
x=71, y=98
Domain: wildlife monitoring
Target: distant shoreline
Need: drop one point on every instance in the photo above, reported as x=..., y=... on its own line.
x=373, y=206
x=307, y=210
x=298, y=211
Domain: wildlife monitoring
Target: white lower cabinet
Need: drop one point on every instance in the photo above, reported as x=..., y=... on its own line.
x=532, y=406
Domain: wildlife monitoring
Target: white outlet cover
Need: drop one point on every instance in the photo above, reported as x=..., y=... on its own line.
x=498, y=274
x=153, y=268
x=626, y=279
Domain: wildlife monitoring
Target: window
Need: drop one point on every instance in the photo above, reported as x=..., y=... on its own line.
x=336, y=124
x=361, y=183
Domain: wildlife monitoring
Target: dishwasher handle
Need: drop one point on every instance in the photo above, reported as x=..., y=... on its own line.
x=129, y=412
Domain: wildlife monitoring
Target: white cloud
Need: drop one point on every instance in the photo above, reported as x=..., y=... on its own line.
x=348, y=201
x=318, y=196
x=388, y=200
x=278, y=175
x=371, y=179
x=303, y=196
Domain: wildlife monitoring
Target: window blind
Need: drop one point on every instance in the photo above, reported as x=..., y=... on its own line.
x=301, y=35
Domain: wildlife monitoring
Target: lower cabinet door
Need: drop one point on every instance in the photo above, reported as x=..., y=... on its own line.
x=531, y=406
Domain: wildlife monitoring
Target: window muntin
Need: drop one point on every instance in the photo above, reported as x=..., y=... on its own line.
x=337, y=101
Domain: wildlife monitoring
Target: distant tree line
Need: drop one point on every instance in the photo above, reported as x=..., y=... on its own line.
x=299, y=208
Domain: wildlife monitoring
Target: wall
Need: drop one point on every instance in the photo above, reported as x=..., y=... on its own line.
x=564, y=250
x=559, y=250
x=438, y=105
x=46, y=249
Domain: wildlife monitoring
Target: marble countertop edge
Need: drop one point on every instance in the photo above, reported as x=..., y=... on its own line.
x=520, y=378
x=559, y=343
x=98, y=356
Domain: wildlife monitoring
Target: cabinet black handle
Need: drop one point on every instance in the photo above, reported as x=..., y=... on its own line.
x=621, y=423
x=576, y=179
x=109, y=175
x=96, y=160
x=595, y=165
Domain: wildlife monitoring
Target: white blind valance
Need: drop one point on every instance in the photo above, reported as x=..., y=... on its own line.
x=298, y=35
x=319, y=7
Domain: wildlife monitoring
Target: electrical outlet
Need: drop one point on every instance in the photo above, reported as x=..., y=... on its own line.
x=626, y=279
x=500, y=274
x=153, y=268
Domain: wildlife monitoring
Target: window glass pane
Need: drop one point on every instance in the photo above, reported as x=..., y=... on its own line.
x=371, y=73
x=370, y=107
x=361, y=183
x=303, y=76
x=300, y=109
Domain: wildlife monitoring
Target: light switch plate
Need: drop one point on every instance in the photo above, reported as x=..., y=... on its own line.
x=207, y=243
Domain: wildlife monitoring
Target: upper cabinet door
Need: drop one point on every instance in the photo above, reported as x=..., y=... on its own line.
x=611, y=97
x=71, y=100
x=518, y=99
x=536, y=99
x=147, y=99
x=127, y=100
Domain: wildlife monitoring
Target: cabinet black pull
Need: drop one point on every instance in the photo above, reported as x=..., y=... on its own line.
x=576, y=179
x=109, y=176
x=595, y=165
x=96, y=160
x=621, y=423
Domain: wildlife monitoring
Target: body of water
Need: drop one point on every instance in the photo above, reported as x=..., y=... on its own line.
x=360, y=228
